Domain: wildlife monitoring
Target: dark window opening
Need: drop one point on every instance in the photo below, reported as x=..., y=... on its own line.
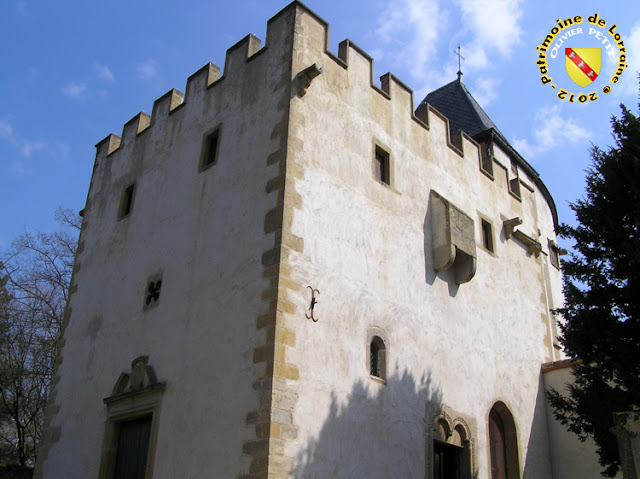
x=126, y=202
x=554, y=255
x=375, y=367
x=133, y=448
x=497, y=446
x=382, y=171
x=445, y=461
x=377, y=360
x=514, y=187
x=211, y=149
x=486, y=159
x=487, y=235
x=514, y=183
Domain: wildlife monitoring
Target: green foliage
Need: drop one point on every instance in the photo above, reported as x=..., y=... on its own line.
x=602, y=294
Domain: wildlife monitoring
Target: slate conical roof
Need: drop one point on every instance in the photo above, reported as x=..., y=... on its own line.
x=455, y=102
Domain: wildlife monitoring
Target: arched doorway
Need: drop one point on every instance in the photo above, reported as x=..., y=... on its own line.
x=503, y=443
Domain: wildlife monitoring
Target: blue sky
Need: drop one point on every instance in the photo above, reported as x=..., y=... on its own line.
x=71, y=72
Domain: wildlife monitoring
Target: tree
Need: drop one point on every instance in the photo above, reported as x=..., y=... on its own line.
x=601, y=315
x=34, y=289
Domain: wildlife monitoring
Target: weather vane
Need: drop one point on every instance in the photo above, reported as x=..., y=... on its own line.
x=460, y=57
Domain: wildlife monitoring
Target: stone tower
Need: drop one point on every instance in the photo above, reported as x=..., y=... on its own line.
x=289, y=272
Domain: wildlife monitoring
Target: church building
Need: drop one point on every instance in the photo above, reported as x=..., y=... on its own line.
x=289, y=272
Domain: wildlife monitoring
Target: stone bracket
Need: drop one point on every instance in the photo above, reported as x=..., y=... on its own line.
x=305, y=77
x=533, y=246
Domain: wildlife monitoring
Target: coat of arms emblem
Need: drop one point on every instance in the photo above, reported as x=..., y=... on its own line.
x=583, y=64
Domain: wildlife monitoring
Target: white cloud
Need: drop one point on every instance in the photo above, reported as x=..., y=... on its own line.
x=475, y=56
x=6, y=132
x=494, y=28
x=25, y=146
x=423, y=21
x=377, y=54
x=389, y=23
x=80, y=90
x=75, y=90
x=486, y=90
x=628, y=85
x=147, y=69
x=494, y=23
x=418, y=35
x=28, y=147
x=104, y=73
x=554, y=131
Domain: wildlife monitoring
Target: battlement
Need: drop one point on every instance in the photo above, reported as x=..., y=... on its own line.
x=400, y=97
x=236, y=59
x=394, y=89
x=198, y=85
x=307, y=46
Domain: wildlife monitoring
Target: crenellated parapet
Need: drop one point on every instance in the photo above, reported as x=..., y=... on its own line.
x=400, y=97
x=357, y=66
x=200, y=84
x=394, y=90
x=135, y=126
x=236, y=59
x=511, y=178
x=165, y=105
x=202, y=79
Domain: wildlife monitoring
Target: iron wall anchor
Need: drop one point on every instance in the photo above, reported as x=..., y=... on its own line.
x=313, y=304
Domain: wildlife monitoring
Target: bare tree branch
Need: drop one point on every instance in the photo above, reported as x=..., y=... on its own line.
x=34, y=285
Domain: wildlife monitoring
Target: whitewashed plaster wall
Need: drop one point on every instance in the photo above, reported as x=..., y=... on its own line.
x=204, y=231
x=569, y=456
x=367, y=249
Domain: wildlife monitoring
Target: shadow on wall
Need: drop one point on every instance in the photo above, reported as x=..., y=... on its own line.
x=538, y=450
x=378, y=432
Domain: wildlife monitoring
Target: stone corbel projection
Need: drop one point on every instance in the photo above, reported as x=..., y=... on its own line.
x=533, y=246
x=454, y=241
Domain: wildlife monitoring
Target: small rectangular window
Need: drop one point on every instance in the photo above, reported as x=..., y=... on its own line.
x=514, y=187
x=554, y=254
x=126, y=201
x=210, y=150
x=514, y=183
x=486, y=158
x=381, y=166
x=487, y=235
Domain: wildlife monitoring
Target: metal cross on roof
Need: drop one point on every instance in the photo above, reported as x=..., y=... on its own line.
x=460, y=57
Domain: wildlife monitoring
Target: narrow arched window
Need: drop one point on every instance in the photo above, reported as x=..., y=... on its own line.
x=377, y=358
